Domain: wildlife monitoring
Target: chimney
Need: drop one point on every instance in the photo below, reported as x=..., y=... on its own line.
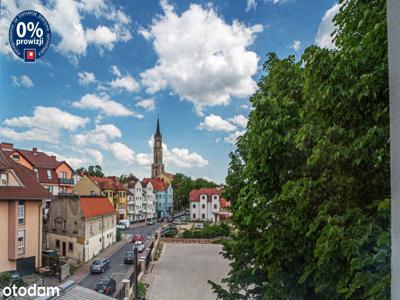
x=34, y=150
x=113, y=178
x=6, y=146
x=53, y=157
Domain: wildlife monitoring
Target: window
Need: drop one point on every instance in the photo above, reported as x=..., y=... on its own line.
x=194, y=206
x=100, y=240
x=194, y=216
x=203, y=206
x=63, y=175
x=215, y=206
x=70, y=247
x=49, y=174
x=54, y=224
x=21, y=212
x=37, y=173
x=58, y=244
x=63, y=190
x=21, y=242
x=203, y=216
x=15, y=156
x=64, y=225
x=91, y=226
x=76, y=227
x=3, y=179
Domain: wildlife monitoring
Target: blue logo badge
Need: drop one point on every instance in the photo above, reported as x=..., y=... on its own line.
x=29, y=35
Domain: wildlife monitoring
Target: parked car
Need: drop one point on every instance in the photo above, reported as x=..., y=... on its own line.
x=199, y=225
x=99, y=265
x=123, y=224
x=151, y=222
x=139, y=245
x=106, y=285
x=176, y=222
x=129, y=257
x=137, y=237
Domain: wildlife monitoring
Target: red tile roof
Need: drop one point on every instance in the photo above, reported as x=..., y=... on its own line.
x=31, y=189
x=194, y=195
x=157, y=183
x=224, y=203
x=96, y=206
x=106, y=183
x=39, y=159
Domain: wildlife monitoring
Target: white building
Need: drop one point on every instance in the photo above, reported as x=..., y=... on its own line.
x=150, y=199
x=136, y=205
x=205, y=205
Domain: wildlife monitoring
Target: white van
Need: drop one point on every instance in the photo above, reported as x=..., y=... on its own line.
x=123, y=224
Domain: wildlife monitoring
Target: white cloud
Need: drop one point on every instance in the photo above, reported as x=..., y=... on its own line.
x=122, y=152
x=103, y=136
x=86, y=78
x=22, y=81
x=201, y=58
x=125, y=83
x=44, y=125
x=175, y=157
x=107, y=106
x=147, y=104
x=232, y=138
x=296, y=45
x=239, y=120
x=244, y=106
x=100, y=135
x=115, y=71
x=251, y=5
x=216, y=123
x=326, y=28
x=65, y=18
x=102, y=36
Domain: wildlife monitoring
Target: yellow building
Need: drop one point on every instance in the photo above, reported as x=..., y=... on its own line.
x=105, y=186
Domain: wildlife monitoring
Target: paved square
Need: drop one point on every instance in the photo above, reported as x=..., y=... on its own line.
x=184, y=269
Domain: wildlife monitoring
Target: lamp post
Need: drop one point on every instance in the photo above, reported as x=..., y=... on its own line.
x=136, y=272
x=393, y=10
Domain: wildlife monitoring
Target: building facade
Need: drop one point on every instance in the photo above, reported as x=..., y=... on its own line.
x=79, y=228
x=150, y=199
x=205, y=205
x=164, y=195
x=21, y=197
x=136, y=206
x=115, y=191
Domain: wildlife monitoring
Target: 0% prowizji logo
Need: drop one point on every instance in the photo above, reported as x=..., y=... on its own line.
x=29, y=35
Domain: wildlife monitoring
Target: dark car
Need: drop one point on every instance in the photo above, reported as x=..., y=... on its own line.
x=106, y=285
x=129, y=257
x=137, y=237
x=99, y=265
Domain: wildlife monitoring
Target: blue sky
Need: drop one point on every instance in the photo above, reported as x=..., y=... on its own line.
x=113, y=66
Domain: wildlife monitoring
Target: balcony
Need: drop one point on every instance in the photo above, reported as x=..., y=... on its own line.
x=68, y=181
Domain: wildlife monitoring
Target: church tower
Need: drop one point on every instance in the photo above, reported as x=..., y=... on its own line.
x=157, y=167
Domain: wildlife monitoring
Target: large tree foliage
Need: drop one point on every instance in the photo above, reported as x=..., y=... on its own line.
x=91, y=171
x=310, y=177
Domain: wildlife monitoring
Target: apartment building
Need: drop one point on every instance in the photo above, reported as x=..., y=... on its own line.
x=21, y=197
x=206, y=204
x=80, y=227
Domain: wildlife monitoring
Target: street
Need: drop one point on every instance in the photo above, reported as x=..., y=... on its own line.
x=117, y=268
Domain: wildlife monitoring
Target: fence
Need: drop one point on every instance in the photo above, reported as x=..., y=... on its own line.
x=189, y=241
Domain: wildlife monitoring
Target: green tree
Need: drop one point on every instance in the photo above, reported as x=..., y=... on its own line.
x=311, y=173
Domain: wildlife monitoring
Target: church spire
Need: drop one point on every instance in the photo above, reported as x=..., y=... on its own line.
x=158, y=132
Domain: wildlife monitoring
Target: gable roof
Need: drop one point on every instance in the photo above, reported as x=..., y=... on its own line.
x=194, y=195
x=31, y=189
x=157, y=183
x=106, y=183
x=96, y=206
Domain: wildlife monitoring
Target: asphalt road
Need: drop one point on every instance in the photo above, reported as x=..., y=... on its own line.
x=117, y=268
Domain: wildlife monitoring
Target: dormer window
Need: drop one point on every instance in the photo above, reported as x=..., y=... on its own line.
x=3, y=179
x=49, y=174
x=37, y=173
x=15, y=156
